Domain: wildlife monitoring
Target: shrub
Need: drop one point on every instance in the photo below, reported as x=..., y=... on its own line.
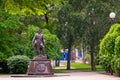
x=117, y=66
x=107, y=44
x=110, y=49
x=113, y=63
x=105, y=62
x=3, y=66
x=117, y=46
x=18, y=64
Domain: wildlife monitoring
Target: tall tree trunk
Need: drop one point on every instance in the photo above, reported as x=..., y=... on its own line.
x=69, y=51
x=92, y=54
x=57, y=62
x=68, y=61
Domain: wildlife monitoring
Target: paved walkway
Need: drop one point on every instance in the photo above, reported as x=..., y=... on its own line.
x=63, y=76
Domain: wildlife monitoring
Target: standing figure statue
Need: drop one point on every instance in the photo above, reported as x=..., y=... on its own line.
x=38, y=43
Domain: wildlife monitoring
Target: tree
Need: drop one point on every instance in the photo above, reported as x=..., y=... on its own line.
x=25, y=7
x=31, y=7
x=9, y=32
x=64, y=32
x=68, y=28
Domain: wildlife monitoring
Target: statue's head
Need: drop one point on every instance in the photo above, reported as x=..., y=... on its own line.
x=38, y=30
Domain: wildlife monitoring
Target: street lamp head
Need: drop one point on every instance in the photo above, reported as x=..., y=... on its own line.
x=112, y=15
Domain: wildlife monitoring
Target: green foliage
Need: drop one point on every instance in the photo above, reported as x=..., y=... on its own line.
x=108, y=42
x=12, y=23
x=110, y=49
x=6, y=51
x=23, y=44
x=117, y=66
x=30, y=34
x=18, y=64
x=10, y=33
x=105, y=62
x=1, y=55
x=117, y=46
x=20, y=7
x=31, y=31
x=21, y=49
x=69, y=29
x=5, y=43
x=116, y=60
x=29, y=7
x=52, y=44
x=113, y=63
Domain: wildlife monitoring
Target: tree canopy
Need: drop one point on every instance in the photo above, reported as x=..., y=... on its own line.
x=29, y=7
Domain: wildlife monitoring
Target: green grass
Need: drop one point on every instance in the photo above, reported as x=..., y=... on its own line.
x=81, y=66
x=76, y=66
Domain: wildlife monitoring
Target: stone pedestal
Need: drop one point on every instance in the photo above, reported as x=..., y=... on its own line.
x=40, y=65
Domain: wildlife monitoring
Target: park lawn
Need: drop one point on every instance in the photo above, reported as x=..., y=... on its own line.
x=77, y=66
x=81, y=66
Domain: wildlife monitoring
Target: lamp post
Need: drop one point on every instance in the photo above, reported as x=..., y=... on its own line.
x=112, y=16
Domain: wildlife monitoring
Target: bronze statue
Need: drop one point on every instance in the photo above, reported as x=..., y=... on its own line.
x=38, y=43
x=40, y=64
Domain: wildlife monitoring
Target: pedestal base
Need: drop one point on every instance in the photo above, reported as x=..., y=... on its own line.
x=38, y=66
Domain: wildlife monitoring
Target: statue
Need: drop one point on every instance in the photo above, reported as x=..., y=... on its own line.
x=38, y=43
x=39, y=65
